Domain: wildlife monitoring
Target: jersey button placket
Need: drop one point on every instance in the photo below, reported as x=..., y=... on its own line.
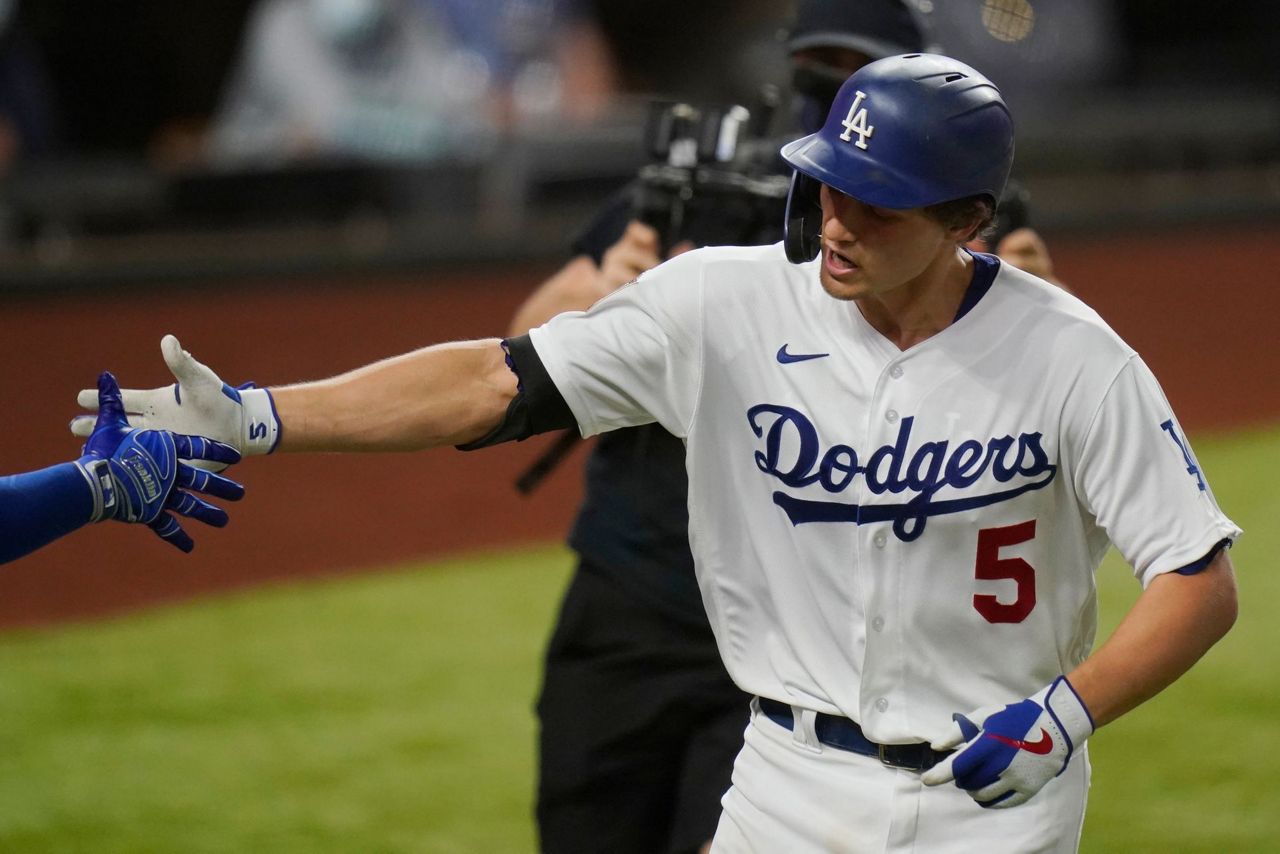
x=880, y=680
x=891, y=415
x=884, y=681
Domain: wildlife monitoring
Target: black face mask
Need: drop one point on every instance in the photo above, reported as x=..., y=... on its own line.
x=816, y=85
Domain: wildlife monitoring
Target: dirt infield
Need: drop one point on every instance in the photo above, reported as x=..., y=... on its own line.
x=1198, y=306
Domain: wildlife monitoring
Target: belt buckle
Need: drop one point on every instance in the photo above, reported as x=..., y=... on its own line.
x=891, y=758
x=883, y=751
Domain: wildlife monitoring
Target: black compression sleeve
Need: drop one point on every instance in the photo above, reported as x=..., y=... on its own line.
x=538, y=406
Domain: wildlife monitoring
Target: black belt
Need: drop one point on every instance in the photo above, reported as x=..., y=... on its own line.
x=847, y=735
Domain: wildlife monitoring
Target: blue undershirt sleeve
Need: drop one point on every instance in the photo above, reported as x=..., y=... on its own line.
x=38, y=507
x=1202, y=563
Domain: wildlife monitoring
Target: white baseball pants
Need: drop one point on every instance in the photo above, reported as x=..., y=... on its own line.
x=792, y=794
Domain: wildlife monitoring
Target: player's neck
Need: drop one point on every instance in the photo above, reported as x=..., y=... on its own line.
x=921, y=308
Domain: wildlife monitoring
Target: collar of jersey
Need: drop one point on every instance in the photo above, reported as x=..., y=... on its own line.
x=985, y=268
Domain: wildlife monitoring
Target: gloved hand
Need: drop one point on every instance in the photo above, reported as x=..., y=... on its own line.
x=199, y=403
x=136, y=477
x=1012, y=751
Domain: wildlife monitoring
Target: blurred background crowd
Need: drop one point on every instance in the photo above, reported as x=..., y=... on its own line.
x=144, y=138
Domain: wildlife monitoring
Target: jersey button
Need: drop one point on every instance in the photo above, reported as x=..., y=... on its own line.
x=896, y=372
x=891, y=416
x=880, y=539
x=882, y=705
x=877, y=623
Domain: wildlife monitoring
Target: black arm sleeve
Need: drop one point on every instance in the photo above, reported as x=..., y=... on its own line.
x=538, y=406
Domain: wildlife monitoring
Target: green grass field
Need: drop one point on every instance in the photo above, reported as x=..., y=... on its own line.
x=393, y=713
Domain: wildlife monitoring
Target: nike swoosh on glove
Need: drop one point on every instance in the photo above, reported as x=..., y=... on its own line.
x=1011, y=752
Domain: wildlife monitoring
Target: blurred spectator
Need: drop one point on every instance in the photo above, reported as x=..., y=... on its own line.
x=133, y=77
x=388, y=80
x=542, y=57
x=27, y=116
x=665, y=47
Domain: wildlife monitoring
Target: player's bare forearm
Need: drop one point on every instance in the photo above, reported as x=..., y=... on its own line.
x=447, y=394
x=574, y=287
x=1174, y=622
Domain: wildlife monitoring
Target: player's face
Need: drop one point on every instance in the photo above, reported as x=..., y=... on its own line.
x=871, y=251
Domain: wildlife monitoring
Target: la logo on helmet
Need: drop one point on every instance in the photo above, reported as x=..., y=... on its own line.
x=856, y=122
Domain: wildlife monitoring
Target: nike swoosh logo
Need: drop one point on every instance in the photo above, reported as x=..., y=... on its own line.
x=1040, y=747
x=786, y=358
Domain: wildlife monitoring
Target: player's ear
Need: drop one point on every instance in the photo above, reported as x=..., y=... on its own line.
x=969, y=231
x=964, y=219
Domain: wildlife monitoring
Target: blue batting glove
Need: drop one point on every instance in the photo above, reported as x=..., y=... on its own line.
x=137, y=476
x=1012, y=751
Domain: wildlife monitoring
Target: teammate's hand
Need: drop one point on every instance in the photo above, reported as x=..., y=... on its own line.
x=136, y=477
x=199, y=403
x=1011, y=752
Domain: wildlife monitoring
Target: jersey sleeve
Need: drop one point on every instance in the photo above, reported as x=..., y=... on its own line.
x=636, y=356
x=40, y=506
x=1140, y=479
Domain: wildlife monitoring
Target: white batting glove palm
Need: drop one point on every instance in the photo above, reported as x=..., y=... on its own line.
x=199, y=403
x=1011, y=752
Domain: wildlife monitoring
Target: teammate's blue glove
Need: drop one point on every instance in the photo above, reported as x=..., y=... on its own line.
x=199, y=403
x=136, y=475
x=1013, y=751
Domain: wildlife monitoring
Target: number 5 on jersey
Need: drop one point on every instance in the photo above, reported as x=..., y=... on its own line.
x=989, y=566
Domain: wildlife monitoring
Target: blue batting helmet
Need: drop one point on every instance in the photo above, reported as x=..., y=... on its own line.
x=904, y=132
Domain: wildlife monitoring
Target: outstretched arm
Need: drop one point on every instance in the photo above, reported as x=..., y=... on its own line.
x=447, y=394
x=38, y=507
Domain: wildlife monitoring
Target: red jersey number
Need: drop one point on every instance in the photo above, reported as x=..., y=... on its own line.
x=991, y=567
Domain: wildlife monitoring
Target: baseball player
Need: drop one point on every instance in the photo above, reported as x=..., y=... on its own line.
x=124, y=474
x=905, y=464
x=638, y=722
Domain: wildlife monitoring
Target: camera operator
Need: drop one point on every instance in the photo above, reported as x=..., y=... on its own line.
x=639, y=721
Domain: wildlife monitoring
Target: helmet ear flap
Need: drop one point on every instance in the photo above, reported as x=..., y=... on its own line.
x=802, y=232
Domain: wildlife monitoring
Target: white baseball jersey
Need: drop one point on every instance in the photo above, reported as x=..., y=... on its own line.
x=889, y=535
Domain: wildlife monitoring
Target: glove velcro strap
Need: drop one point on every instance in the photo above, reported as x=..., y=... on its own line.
x=102, y=487
x=1068, y=711
x=261, y=423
